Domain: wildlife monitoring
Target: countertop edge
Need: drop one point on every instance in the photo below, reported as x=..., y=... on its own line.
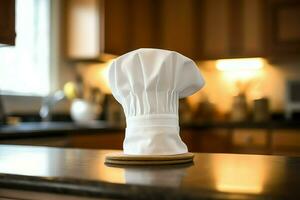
x=110, y=190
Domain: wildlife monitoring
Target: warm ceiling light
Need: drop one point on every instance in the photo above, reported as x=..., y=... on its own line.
x=240, y=64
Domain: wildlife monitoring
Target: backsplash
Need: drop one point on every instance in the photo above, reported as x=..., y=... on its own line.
x=219, y=89
x=269, y=83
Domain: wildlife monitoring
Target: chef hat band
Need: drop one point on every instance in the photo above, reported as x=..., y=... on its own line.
x=158, y=134
x=153, y=120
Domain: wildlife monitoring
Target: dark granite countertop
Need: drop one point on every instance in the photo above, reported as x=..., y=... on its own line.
x=39, y=129
x=277, y=121
x=272, y=124
x=46, y=129
x=212, y=176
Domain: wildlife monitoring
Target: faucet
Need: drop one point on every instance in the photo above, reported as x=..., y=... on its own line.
x=48, y=103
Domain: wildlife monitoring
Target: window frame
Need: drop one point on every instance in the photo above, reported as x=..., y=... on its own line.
x=14, y=102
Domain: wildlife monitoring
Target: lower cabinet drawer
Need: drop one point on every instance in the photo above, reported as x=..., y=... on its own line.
x=250, y=141
x=110, y=140
x=208, y=141
x=249, y=138
x=286, y=142
x=59, y=141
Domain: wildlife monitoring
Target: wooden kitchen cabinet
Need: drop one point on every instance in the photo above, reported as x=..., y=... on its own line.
x=96, y=29
x=286, y=142
x=7, y=22
x=231, y=29
x=130, y=24
x=83, y=31
x=284, y=28
x=109, y=140
x=134, y=24
x=199, y=29
x=254, y=141
x=177, y=27
x=207, y=140
x=117, y=35
x=227, y=140
x=49, y=141
x=166, y=24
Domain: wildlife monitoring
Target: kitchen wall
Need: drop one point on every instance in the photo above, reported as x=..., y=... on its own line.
x=267, y=82
x=250, y=23
x=219, y=89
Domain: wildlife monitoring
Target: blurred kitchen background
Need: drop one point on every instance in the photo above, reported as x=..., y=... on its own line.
x=54, y=57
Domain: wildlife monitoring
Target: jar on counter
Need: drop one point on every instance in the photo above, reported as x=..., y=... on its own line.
x=261, y=111
x=239, y=111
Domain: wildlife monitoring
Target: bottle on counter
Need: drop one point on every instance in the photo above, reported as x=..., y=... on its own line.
x=261, y=111
x=239, y=111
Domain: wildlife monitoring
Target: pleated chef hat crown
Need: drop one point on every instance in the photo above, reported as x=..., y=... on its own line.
x=148, y=84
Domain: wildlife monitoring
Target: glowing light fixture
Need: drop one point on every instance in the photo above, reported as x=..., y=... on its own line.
x=240, y=64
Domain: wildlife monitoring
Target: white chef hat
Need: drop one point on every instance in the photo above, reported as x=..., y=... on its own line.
x=148, y=84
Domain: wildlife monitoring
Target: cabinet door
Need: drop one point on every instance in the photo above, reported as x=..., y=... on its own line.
x=286, y=142
x=232, y=28
x=199, y=29
x=250, y=141
x=109, y=140
x=254, y=30
x=83, y=29
x=7, y=22
x=144, y=31
x=133, y=24
x=130, y=24
x=214, y=24
x=177, y=26
x=53, y=141
x=117, y=26
x=206, y=140
x=284, y=27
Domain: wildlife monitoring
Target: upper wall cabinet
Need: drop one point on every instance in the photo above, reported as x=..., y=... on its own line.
x=7, y=22
x=177, y=23
x=199, y=29
x=284, y=28
x=231, y=28
x=83, y=36
x=132, y=24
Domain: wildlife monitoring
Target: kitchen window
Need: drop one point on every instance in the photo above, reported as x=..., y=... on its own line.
x=25, y=67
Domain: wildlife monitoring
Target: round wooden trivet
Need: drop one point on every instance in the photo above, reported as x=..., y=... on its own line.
x=123, y=159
